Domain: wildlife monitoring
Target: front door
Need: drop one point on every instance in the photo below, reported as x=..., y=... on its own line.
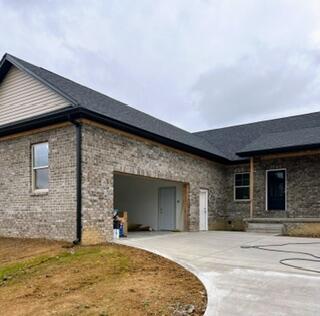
x=276, y=190
x=167, y=208
x=203, y=211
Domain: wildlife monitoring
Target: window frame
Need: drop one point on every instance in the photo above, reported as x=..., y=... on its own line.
x=285, y=189
x=34, y=169
x=240, y=186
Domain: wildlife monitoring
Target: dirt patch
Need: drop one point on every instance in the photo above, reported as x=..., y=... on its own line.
x=45, y=278
x=14, y=249
x=302, y=229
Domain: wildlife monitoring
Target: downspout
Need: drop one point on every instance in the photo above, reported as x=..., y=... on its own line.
x=78, y=181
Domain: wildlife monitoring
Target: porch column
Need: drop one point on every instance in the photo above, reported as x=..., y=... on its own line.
x=186, y=206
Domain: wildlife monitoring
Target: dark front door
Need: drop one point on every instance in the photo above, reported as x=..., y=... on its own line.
x=276, y=190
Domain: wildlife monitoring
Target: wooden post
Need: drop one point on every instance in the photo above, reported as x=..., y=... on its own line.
x=186, y=205
x=251, y=186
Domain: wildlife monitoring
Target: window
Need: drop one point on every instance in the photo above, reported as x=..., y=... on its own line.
x=40, y=163
x=276, y=190
x=242, y=186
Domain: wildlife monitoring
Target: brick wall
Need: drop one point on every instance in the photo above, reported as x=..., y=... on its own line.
x=106, y=151
x=24, y=214
x=303, y=186
x=235, y=211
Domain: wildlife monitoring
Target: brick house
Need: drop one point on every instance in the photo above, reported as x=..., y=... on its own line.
x=69, y=156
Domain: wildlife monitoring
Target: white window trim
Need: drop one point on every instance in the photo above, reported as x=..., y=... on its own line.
x=33, y=169
x=285, y=189
x=240, y=186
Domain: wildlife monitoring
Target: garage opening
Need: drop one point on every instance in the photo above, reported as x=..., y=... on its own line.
x=151, y=204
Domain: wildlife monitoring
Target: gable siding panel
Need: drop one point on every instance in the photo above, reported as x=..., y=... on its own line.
x=22, y=96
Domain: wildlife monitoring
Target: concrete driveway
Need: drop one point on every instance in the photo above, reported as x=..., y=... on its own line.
x=242, y=281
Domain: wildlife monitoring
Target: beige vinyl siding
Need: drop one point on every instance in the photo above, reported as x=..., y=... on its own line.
x=22, y=96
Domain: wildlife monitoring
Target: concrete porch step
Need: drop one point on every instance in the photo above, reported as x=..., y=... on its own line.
x=265, y=228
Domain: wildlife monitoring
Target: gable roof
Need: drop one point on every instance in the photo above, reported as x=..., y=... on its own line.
x=227, y=145
x=246, y=139
x=88, y=99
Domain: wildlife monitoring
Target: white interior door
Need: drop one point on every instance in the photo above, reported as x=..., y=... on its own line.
x=167, y=208
x=203, y=211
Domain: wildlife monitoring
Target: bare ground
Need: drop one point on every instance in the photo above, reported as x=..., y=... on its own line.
x=39, y=277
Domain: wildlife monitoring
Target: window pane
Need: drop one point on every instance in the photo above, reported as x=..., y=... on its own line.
x=242, y=193
x=242, y=179
x=41, y=179
x=238, y=179
x=40, y=155
x=245, y=179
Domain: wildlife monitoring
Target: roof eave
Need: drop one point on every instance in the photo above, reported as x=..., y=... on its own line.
x=72, y=114
x=85, y=113
x=246, y=160
x=40, y=121
x=278, y=150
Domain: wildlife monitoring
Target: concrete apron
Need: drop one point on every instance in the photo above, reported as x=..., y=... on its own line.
x=240, y=281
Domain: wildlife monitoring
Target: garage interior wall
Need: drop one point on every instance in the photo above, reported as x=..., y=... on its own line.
x=139, y=197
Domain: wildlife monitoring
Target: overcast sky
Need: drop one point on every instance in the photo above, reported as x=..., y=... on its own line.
x=198, y=64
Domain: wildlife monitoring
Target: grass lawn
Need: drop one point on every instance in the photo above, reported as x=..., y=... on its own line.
x=40, y=277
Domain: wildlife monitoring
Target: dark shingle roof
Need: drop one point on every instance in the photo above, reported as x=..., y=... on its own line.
x=92, y=100
x=307, y=137
x=232, y=140
x=224, y=143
